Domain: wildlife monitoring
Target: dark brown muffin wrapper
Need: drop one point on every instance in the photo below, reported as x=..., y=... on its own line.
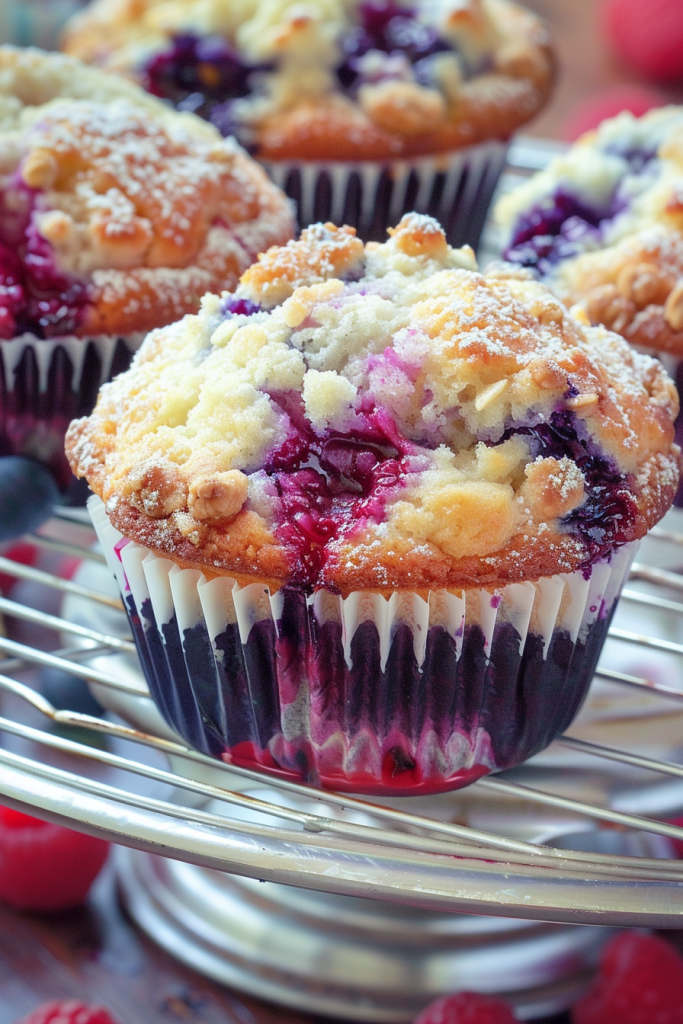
x=46, y=383
x=456, y=188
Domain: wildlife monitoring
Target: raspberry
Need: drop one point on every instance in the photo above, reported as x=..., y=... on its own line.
x=640, y=982
x=677, y=843
x=68, y=1011
x=466, y=1008
x=647, y=36
x=637, y=99
x=43, y=866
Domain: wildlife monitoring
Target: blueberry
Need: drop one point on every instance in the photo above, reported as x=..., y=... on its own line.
x=27, y=494
x=67, y=693
x=232, y=306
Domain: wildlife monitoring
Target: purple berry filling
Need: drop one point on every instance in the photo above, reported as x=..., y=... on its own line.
x=232, y=306
x=390, y=29
x=546, y=235
x=34, y=296
x=329, y=484
x=635, y=156
x=199, y=73
x=603, y=519
x=206, y=75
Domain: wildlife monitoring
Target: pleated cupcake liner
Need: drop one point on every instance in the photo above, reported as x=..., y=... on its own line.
x=456, y=188
x=367, y=694
x=45, y=383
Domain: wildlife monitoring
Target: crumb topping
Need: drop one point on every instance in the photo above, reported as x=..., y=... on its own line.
x=117, y=215
x=393, y=74
x=354, y=416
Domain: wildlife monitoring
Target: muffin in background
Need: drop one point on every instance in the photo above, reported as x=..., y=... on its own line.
x=361, y=110
x=602, y=225
x=116, y=215
x=371, y=513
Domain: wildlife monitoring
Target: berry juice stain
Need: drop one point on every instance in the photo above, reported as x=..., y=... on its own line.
x=35, y=296
x=329, y=483
x=604, y=519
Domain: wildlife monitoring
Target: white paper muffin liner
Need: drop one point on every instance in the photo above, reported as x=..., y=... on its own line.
x=368, y=694
x=45, y=383
x=456, y=188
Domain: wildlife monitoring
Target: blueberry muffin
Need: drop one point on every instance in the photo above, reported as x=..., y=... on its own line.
x=603, y=226
x=380, y=83
x=116, y=216
x=371, y=512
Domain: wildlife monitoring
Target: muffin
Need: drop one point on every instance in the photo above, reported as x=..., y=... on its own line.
x=116, y=216
x=603, y=226
x=371, y=512
x=360, y=109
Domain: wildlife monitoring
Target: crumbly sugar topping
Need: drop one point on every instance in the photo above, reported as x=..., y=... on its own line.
x=109, y=185
x=397, y=70
x=351, y=408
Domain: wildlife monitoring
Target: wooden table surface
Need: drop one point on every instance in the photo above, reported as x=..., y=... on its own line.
x=94, y=953
x=586, y=67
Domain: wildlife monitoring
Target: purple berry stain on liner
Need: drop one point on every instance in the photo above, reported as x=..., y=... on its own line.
x=369, y=727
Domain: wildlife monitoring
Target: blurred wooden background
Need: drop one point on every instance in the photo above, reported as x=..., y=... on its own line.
x=586, y=67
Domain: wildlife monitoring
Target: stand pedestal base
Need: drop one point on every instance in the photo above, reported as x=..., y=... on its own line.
x=347, y=957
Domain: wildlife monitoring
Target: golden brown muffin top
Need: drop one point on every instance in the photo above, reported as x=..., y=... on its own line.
x=382, y=416
x=133, y=210
x=331, y=79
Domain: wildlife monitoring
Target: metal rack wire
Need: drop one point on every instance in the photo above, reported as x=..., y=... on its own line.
x=322, y=840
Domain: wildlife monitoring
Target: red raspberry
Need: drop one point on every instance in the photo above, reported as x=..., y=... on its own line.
x=44, y=866
x=68, y=1011
x=637, y=99
x=466, y=1008
x=677, y=843
x=640, y=982
x=647, y=36
x=23, y=552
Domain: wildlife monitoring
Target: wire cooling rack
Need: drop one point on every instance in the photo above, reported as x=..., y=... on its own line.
x=581, y=834
x=426, y=853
